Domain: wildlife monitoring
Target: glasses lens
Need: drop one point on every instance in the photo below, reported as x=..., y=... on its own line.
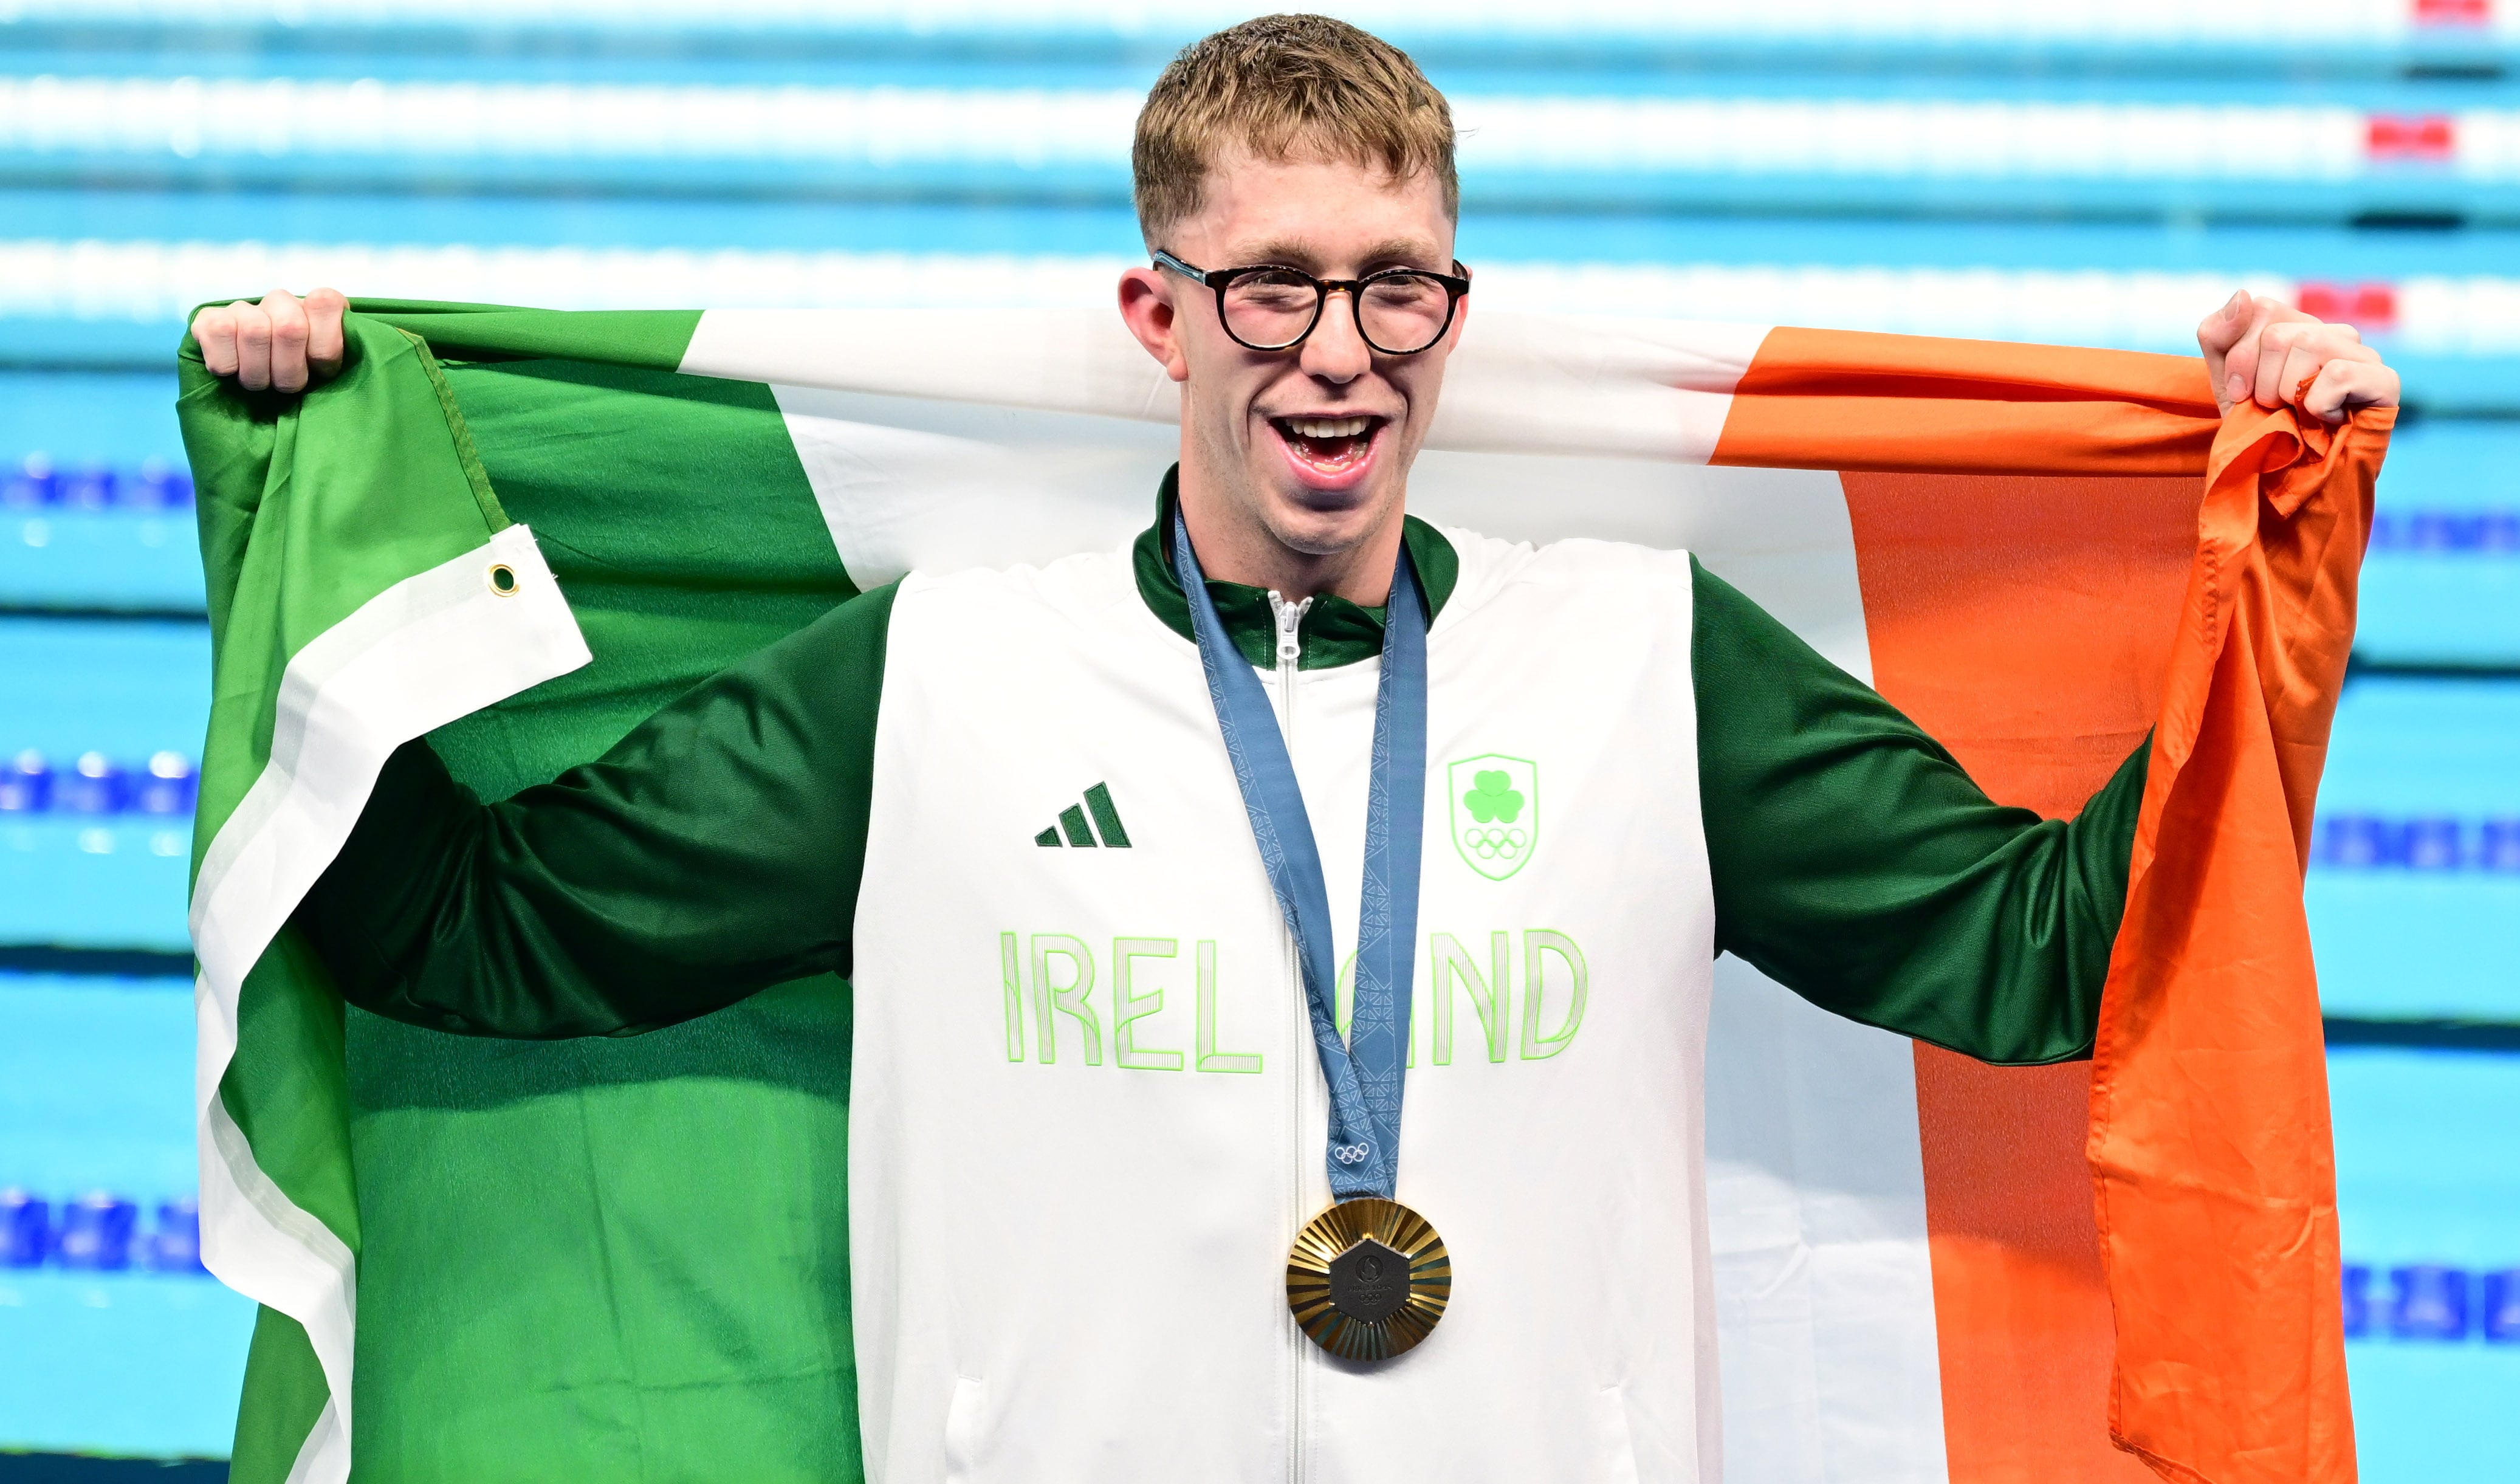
x=1402, y=312
x=1270, y=307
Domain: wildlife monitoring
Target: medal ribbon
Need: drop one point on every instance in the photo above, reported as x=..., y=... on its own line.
x=1365, y=1072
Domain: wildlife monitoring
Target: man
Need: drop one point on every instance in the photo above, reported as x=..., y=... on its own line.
x=1088, y=1118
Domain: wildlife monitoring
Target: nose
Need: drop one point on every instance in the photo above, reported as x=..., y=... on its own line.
x=1335, y=351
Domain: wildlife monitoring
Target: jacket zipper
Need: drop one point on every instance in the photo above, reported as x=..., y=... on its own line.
x=1289, y=621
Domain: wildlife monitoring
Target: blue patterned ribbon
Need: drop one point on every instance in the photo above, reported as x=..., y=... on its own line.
x=1366, y=1072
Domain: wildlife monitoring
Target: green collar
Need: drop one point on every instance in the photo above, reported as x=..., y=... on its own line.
x=1334, y=632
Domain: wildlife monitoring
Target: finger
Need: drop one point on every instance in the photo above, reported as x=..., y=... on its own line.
x=2344, y=384
x=2372, y=383
x=2216, y=334
x=288, y=340
x=2240, y=368
x=2301, y=367
x=253, y=346
x=214, y=330
x=2350, y=348
x=2277, y=372
x=2302, y=347
x=324, y=346
x=2285, y=365
x=2331, y=341
x=2222, y=329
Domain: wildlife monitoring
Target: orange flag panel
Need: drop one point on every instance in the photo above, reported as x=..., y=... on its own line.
x=2026, y=622
x=2059, y=550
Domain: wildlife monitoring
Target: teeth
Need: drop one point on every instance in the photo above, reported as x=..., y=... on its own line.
x=1328, y=428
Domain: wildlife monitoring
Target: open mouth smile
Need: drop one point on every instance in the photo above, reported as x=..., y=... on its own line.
x=1330, y=451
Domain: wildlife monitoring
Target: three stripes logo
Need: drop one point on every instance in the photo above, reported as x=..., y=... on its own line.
x=1073, y=831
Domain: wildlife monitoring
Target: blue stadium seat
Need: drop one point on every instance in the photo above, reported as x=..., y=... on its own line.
x=175, y=1244
x=96, y=1232
x=96, y=1091
x=2440, y=584
x=96, y=787
x=2428, y=1301
x=99, y=537
x=2499, y=1307
x=2415, y=884
x=25, y=1228
x=2426, y=1178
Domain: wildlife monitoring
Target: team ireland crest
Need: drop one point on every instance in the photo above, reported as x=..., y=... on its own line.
x=1496, y=811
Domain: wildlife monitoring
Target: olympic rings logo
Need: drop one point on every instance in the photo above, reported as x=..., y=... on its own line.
x=1495, y=842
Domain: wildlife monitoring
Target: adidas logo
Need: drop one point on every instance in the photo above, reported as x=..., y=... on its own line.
x=1071, y=823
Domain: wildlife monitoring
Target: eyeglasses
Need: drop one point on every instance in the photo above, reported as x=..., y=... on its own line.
x=1399, y=311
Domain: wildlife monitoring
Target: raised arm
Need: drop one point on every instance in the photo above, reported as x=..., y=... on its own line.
x=714, y=851
x=1857, y=865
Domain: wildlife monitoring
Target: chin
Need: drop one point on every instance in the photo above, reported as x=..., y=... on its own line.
x=1323, y=522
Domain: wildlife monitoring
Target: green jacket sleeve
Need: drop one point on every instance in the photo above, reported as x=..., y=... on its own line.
x=714, y=851
x=1856, y=864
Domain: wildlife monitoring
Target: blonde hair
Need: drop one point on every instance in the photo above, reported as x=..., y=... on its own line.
x=1282, y=86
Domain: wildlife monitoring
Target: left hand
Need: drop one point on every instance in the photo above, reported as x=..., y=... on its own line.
x=2265, y=350
x=285, y=343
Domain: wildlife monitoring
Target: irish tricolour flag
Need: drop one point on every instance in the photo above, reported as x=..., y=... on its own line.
x=520, y=532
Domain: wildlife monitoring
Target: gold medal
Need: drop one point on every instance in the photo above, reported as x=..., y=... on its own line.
x=1368, y=1279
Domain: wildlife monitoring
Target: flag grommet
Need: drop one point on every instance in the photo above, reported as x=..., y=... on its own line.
x=503, y=579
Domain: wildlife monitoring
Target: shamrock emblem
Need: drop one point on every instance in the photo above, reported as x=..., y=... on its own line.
x=1493, y=799
x=1496, y=817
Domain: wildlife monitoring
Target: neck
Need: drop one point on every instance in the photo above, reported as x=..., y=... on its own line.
x=1234, y=546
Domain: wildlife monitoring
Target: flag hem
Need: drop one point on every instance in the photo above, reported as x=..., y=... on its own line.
x=439, y=644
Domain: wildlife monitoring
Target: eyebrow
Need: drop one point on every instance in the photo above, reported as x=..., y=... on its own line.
x=1390, y=253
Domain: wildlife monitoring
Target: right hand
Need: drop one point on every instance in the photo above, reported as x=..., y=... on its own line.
x=2267, y=351
x=283, y=343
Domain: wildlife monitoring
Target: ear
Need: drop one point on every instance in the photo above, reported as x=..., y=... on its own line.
x=1147, y=308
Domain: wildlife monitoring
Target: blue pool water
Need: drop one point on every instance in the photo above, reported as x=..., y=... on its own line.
x=96, y=653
